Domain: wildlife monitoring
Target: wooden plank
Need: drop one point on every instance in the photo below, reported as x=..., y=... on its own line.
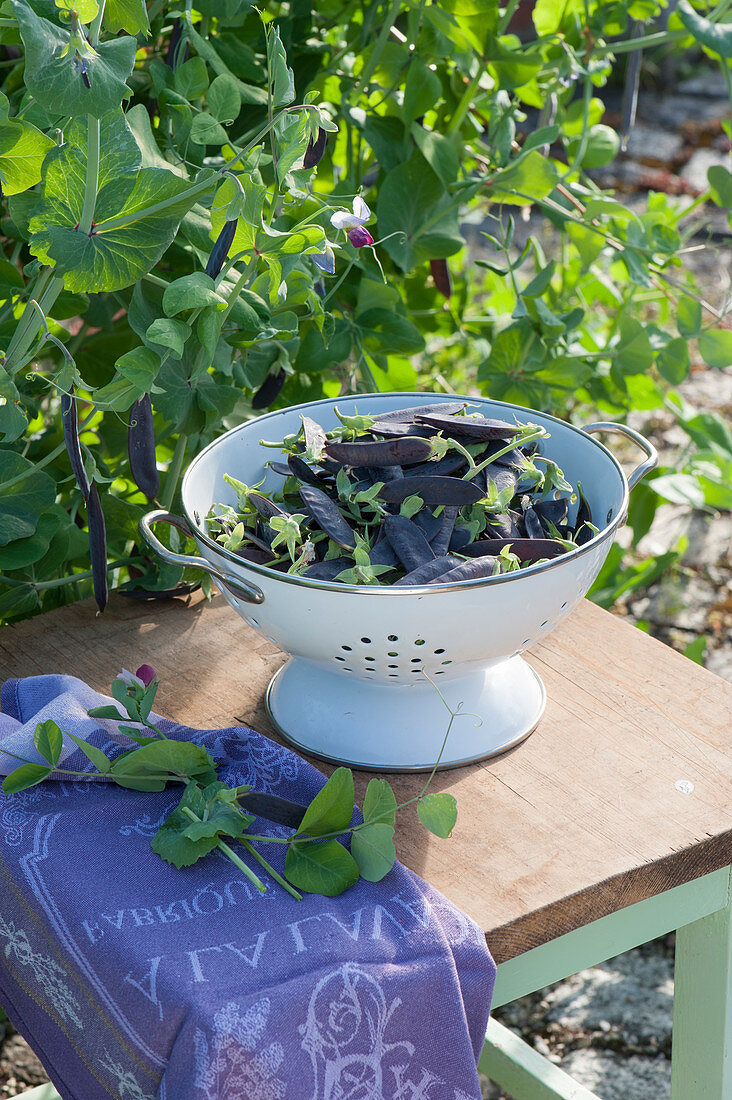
x=580, y=820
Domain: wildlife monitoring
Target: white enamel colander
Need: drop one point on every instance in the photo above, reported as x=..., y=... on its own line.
x=354, y=689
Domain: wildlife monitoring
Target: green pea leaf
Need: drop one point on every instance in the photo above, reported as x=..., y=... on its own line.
x=97, y=757
x=633, y=353
x=379, y=804
x=163, y=757
x=22, y=151
x=438, y=813
x=283, y=80
x=422, y=89
x=320, y=867
x=23, y=503
x=417, y=215
x=531, y=178
x=224, y=101
x=50, y=72
x=126, y=15
x=439, y=152
x=170, y=334
x=191, y=78
x=688, y=316
x=332, y=808
x=720, y=184
x=140, y=367
x=387, y=333
x=191, y=292
x=717, y=37
x=28, y=775
x=673, y=361
x=111, y=256
x=372, y=846
x=48, y=739
x=715, y=347
x=205, y=130
x=105, y=712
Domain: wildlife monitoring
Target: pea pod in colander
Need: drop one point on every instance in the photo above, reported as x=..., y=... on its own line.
x=479, y=430
x=407, y=542
x=432, y=490
x=389, y=452
x=327, y=516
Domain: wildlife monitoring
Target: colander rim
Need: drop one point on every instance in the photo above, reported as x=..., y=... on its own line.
x=404, y=590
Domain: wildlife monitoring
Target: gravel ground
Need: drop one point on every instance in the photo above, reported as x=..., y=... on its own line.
x=610, y=1026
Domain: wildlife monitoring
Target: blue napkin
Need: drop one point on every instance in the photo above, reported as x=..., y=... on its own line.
x=134, y=980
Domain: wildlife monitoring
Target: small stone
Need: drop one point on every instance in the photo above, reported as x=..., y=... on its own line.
x=654, y=147
x=695, y=172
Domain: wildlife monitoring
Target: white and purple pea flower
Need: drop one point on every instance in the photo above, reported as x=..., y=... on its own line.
x=139, y=680
x=353, y=225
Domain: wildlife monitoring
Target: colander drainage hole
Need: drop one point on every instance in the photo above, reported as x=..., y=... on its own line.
x=348, y=647
x=563, y=606
x=392, y=654
x=253, y=621
x=542, y=625
x=366, y=641
x=341, y=659
x=347, y=669
x=446, y=662
x=439, y=651
x=392, y=666
x=420, y=641
x=416, y=660
x=440, y=672
x=392, y=638
x=393, y=676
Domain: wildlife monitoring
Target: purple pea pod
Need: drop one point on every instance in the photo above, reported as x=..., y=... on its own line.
x=220, y=250
x=430, y=571
x=385, y=473
x=253, y=554
x=395, y=429
x=381, y=553
x=259, y=542
x=441, y=277
x=269, y=390
x=503, y=477
x=70, y=424
x=327, y=570
x=532, y=523
x=515, y=458
x=97, y=546
x=316, y=149
x=459, y=539
x=328, y=517
x=266, y=507
x=468, y=427
x=505, y=526
x=405, y=416
x=388, y=452
x=407, y=542
x=442, y=467
x=280, y=468
x=441, y=540
x=472, y=570
x=141, y=447
x=302, y=471
x=428, y=523
x=526, y=550
x=433, y=490
x=551, y=511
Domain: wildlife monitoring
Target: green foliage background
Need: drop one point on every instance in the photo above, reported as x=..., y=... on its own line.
x=131, y=134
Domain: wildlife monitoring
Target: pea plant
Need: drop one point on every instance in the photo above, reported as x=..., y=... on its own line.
x=212, y=815
x=211, y=211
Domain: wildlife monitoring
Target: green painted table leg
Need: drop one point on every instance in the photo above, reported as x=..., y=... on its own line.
x=702, y=1029
x=524, y=1073
x=43, y=1092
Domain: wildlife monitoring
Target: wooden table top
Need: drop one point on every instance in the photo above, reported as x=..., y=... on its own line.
x=580, y=820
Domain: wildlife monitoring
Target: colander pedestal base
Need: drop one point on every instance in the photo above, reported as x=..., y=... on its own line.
x=400, y=728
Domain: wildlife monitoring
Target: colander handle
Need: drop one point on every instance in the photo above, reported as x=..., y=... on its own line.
x=648, y=449
x=240, y=588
